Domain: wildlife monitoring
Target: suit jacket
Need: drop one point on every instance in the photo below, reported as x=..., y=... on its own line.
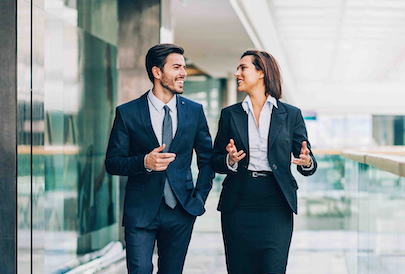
x=132, y=137
x=286, y=134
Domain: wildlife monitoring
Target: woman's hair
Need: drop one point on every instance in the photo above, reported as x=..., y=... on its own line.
x=265, y=62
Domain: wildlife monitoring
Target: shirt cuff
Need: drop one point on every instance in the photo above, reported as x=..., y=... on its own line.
x=234, y=167
x=144, y=164
x=308, y=168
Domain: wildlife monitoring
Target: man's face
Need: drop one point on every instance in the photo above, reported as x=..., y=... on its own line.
x=174, y=73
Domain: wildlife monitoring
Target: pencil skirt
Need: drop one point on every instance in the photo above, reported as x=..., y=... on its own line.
x=257, y=233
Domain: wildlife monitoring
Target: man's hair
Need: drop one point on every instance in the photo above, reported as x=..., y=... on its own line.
x=157, y=55
x=266, y=63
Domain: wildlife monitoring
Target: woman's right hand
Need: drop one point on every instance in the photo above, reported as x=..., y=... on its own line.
x=234, y=155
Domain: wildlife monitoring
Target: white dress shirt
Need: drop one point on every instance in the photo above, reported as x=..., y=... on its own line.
x=258, y=136
x=157, y=114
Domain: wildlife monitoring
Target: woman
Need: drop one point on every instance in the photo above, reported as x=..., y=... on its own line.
x=253, y=147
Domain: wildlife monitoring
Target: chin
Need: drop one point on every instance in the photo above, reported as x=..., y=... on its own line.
x=177, y=91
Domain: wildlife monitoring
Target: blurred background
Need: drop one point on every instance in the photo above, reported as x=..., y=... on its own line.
x=343, y=64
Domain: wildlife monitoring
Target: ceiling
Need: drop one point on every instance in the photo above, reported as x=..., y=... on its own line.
x=211, y=34
x=336, y=56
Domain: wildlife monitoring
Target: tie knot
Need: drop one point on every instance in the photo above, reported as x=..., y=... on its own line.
x=166, y=108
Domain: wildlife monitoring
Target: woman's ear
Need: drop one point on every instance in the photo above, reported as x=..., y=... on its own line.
x=157, y=73
x=261, y=76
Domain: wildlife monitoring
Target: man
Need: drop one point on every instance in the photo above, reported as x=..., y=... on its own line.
x=152, y=142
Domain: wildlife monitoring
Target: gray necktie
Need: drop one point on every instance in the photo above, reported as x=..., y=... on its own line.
x=167, y=137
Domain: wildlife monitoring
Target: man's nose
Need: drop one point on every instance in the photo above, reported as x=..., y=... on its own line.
x=184, y=72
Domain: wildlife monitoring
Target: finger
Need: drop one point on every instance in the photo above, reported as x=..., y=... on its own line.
x=302, y=156
x=160, y=168
x=166, y=161
x=304, y=145
x=242, y=156
x=239, y=153
x=232, y=142
x=159, y=149
x=229, y=148
x=165, y=155
x=300, y=162
x=296, y=161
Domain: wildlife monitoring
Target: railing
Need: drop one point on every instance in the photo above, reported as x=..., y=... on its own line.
x=375, y=221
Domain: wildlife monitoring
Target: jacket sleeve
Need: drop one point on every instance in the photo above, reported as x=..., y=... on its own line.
x=203, y=148
x=218, y=161
x=118, y=161
x=300, y=135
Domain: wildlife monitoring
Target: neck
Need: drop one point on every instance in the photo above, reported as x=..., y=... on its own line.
x=162, y=94
x=258, y=98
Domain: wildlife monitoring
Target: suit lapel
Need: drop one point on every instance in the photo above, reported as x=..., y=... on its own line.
x=145, y=117
x=182, y=117
x=278, y=117
x=240, y=119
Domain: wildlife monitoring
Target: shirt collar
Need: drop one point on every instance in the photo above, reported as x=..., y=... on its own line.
x=158, y=105
x=247, y=103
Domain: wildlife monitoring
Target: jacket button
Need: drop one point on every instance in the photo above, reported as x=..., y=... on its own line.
x=274, y=166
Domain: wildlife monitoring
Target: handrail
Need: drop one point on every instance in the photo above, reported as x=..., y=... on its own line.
x=391, y=163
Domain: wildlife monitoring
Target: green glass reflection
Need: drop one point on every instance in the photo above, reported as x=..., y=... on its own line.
x=80, y=96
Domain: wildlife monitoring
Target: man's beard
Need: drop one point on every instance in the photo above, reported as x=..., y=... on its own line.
x=163, y=84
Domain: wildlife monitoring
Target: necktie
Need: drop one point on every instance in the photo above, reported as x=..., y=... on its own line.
x=167, y=137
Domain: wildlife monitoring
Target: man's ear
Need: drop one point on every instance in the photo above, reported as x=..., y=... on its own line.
x=157, y=73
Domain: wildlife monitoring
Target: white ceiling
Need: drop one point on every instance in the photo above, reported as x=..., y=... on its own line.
x=330, y=51
x=211, y=34
x=342, y=40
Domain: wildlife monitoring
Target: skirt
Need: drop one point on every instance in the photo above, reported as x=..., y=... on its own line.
x=257, y=233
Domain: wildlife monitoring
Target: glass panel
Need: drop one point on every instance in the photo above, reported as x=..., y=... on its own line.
x=386, y=225
x=75, y=94
x=38, y=172
x=24, y=137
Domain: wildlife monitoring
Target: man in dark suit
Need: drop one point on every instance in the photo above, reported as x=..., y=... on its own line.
x=152, y=142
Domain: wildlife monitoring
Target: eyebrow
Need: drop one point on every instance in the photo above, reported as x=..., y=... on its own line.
x=241, y=65
x=176, y=64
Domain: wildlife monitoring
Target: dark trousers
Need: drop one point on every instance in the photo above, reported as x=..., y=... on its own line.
x=171, y=228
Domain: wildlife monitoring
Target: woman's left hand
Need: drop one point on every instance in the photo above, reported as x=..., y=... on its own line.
x=304, y=158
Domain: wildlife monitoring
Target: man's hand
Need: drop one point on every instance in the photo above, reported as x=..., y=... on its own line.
x=304, y=158
x=234, y=155
x=159, y=161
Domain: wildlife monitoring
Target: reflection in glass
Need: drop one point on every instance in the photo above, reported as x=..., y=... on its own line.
x=63, y=138
x=23, y=137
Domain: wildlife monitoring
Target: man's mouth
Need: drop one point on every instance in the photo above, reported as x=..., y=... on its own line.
x=180, y=81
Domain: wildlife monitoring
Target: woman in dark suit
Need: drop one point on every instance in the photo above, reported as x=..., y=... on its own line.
x=253, y=148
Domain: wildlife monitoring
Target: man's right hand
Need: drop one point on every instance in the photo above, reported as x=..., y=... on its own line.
x=159, y=161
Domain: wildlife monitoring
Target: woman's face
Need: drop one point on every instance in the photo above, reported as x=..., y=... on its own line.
x=249, y=78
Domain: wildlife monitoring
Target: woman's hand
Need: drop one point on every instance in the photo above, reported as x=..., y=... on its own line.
x=234, y=155
x=304, y=158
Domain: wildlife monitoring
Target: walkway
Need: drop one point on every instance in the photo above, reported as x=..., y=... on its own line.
x=312, y=252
